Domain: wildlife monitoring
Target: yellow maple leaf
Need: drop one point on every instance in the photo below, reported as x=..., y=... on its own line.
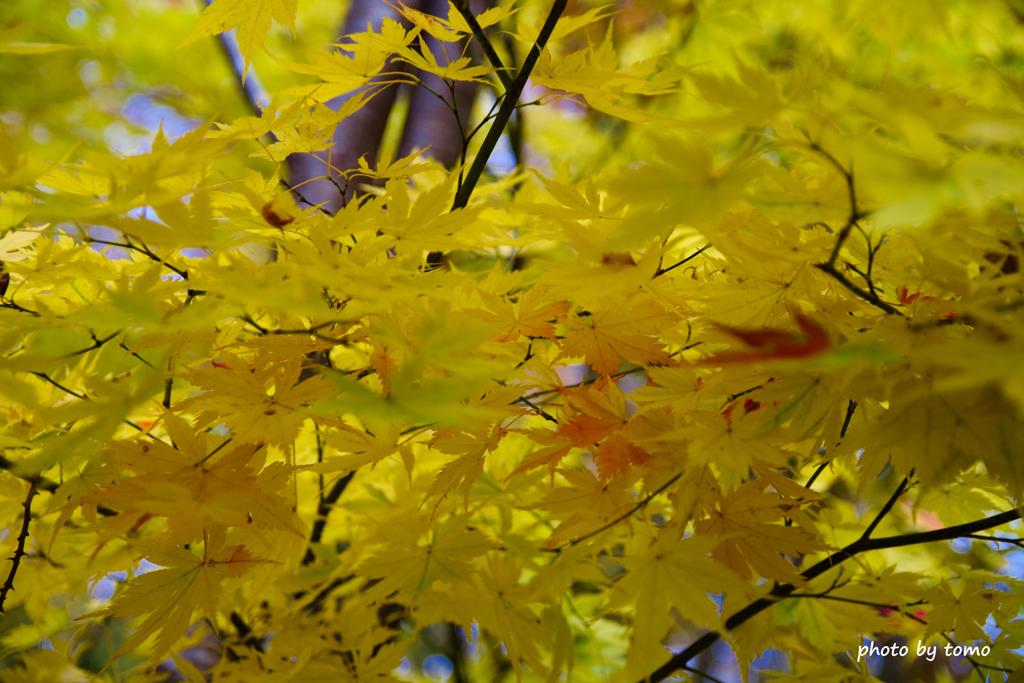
x=251, y=19
x=605, y=338
x=670, y=574
x=410, y=566
x=530, y=316
x=751, y=540
x=167, y=598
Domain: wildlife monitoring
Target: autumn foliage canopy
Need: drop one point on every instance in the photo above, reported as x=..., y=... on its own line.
x=701, y=338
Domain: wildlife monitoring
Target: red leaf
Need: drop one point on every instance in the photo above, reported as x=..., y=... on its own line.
x=769, y=343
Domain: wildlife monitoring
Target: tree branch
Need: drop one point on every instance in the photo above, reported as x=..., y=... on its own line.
x=485, y=43
x=872, y=299
x=508, y=106
x=679, y=661
x=249, y=85
x=323, y=510
x=852, y=221
x=19, y=551
x=978, y=666
x=887, y=508
x=661, y=271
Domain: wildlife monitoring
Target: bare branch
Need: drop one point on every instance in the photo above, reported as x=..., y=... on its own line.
x=19, y=551
x=887, y=508
x=661, y=271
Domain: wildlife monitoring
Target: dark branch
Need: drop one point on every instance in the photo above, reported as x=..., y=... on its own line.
x=1019, y=542
x=19, y=551
x=887, y=508
x=703, y=674
x=485, y=43
x=20, y=309
x=872, y=299
x=540, y=411
x=680, y=660
x=852, y=221
x=508, y=107
x=662, y=271
x=323, y=510
x=143, y=249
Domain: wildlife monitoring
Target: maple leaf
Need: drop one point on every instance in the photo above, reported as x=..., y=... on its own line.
x=166, y=599
x=463, y=471
x=586, y=504
x=410, y=566
x=195, y=485
x=605, y=338
x=768, y=343
x=230, y=388
x=457, y=69
x=668, y=574
x=251, y=18
x=531, y=316
x=597, y=425
x=963, y=611
x=190, y=345
x=750, y=538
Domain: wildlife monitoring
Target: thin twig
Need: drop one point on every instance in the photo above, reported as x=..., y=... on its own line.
x=19, y=551
x=1019, y=542
x=817, y=473
x=644, y=502
x=71, y=392
x=20, y=309
x=703, y=674
x=537, y=409
x=97, y=342
x=143, y=249
x=887, y=508
x=661, y=271
x=872, y=299
x=576, y=385
x=852, y=221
